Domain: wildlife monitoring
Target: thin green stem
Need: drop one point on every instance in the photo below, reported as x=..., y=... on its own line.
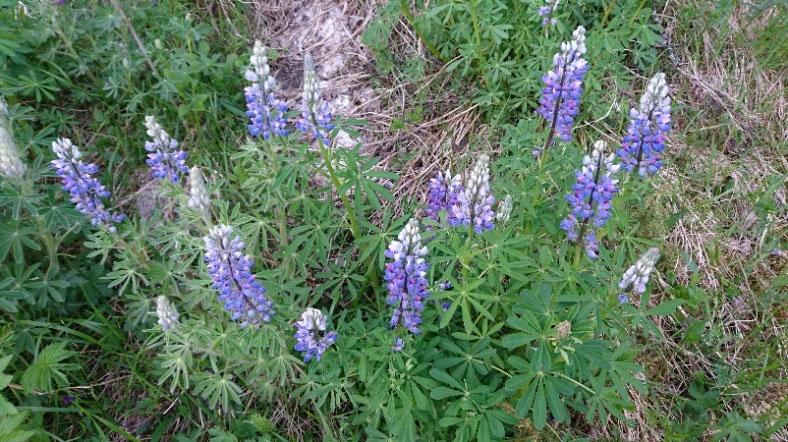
x=354, y=229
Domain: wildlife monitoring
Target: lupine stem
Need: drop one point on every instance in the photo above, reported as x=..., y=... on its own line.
x=354, y=229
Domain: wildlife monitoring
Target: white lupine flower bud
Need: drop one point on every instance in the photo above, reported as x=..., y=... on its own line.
x=408, y=242
x=11, y=166
x=65, y=149
x=504, y=211
x=479, y=180
x=155, y=131
x=577, y=45
x=313, y=319
x=590, y=162
x=168, y=315
x=311, y=85
x=656, y=97
x=638, y=274
x=198, y=194
x=259, y=72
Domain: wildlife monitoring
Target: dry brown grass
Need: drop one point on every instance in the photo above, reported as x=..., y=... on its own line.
x=331, y=31
x=741, y=111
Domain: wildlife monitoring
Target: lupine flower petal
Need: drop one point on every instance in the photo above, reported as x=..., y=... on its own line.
x=311, y=335
x=560, y=102
x=164, y=158
x=406, y=278
x=78, y=180
x=231, y=272
x=591, y=198
x=644, y=142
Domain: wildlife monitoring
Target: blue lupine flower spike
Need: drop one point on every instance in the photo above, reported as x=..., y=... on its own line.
x=547, y=11
x=316, y=118
x=641, y=150
x=444, y=193
x=164, y=158
x=86, y=191
x=591, y=198
x=312, y=338
x=266, y=113
x=406, y=278
x=231, y=272
x=560, y=102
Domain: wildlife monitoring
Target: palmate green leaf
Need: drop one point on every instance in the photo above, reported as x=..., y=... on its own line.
x=15, y=237
x=528, y=324
x=48, y=369
x=219, y=391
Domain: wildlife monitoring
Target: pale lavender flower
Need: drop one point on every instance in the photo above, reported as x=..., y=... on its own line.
x=167, y=313
x=164, y=158
x=312, y=339
x=316, y=120
x=641, y=150
x=444, y=193
x=547, y=11
x=638, y=274
x=398, y=345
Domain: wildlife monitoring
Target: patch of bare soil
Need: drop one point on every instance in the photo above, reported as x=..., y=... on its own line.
x=331, y=31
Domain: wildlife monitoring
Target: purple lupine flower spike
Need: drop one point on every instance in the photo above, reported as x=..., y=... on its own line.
x=86, y=191
x=444, y=193
x=312, y=338
x=164, y=158
x=560, y=102
x=406, y=278
x=266, y=113
x=591, y=198
x=316, y=120
x=641, y=150
x=546, y=12
x=231, y=272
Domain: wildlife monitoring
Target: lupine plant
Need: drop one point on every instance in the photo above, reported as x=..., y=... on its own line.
x=165, y=160
x=641, y=150
x=84, y=188
x=457, y=320
x=563, y=87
